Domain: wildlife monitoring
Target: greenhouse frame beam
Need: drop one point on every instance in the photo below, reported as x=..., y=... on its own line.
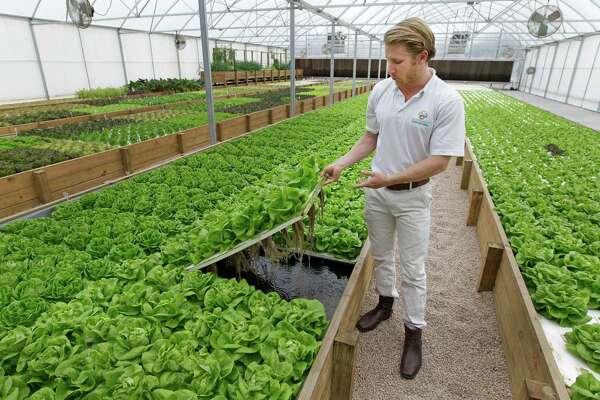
x=212, y=127
x=382, y=24
x=129, y=13
x=292, y=59
x=369, y=65
x=315, y=8
x=331, y=63
x=354, y=64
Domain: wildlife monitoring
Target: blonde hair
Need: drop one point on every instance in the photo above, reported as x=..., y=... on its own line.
x=414, y=34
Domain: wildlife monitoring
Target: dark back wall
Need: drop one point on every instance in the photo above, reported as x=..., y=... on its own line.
x=458, y=70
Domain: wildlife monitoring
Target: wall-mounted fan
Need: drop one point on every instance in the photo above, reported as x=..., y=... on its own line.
x=81, y=12
x=180, y=42
x=545, y=21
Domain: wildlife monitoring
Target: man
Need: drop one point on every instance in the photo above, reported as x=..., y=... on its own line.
x=415, y=122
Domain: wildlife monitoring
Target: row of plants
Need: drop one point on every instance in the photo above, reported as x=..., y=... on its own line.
x=164, y=85
x=74, y=140
x=89, y=308
x=137, y=217
x=98, y=105
x=539, y=171
x=101, y=92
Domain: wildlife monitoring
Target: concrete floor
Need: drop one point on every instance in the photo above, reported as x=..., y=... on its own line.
x=579, y=115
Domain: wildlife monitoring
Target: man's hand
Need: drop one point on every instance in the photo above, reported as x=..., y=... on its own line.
x=376, y=180
x=332, y=172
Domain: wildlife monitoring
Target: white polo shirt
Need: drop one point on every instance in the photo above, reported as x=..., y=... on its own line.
x=432, y=122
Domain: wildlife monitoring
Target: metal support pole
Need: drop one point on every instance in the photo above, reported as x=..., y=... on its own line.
x=178, y=62
x=551, y=69
x=331, y=65
x=354, y=64
x=151, y=56
x=379, y=65
x=369, y=65
x=122, y=56
x=212, y=128
x=574, y=70
x=39, y=61
x=87, y=74
x=292, y=59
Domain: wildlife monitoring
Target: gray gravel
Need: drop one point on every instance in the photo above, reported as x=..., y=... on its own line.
x=463, y=354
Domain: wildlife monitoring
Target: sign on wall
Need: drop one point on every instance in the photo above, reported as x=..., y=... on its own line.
x=458, y=42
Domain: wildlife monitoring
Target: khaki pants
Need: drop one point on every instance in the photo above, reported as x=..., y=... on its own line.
x=404, y=217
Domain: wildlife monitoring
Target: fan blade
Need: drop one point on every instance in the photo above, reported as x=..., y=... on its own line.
x=543, y=31
x=537, y=17
x=554, y=16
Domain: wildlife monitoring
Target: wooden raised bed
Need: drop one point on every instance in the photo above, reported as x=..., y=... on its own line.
x=31, y=190
x=532, y=369
x=16, y=129
x=244, y=77
x=331, y=376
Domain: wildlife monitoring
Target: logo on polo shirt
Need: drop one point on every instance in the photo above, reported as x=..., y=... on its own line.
x=422, y=118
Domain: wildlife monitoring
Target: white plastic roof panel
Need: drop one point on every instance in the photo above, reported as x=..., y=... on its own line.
x=267, y=21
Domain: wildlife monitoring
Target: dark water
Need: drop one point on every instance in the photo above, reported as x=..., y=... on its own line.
x=311, y=278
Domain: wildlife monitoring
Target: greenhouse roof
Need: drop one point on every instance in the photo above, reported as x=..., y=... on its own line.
x=267, y=21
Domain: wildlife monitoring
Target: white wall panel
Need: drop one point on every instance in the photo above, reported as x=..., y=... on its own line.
x=62, y=59
x=165, y=56
x=543, y=70
x=580, y=87
x=103, y=57
x=136, y=49
x=569, y=69
x=188, y=59
x=540, y=59
x=592, y=97
x=20, y=77
x=556, y=72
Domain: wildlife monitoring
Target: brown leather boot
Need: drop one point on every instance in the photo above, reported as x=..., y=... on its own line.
x=412, y=353
x=381, y=312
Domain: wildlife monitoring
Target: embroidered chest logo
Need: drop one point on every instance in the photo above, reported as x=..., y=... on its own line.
x=422, y=118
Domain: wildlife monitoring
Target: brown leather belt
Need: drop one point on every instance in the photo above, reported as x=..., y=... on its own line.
x=408, y=185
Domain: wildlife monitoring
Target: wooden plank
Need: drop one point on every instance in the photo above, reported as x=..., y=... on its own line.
x=12, y=210
x=233, y=127
x=489, y=269
x=157, y=144
x=459, y=161
x=81, y=186
x=71, y=168
x=42, y=189
x=21, y=195
x=344, y=355
x=258, y=119
x=60, y=183
x=474, y=207
x=180, y=143
x=126, y=160
x=539, y=390
x=301, y=104
x=278, y=113
x=466, y=174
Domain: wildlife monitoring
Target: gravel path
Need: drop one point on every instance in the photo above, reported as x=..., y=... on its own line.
x=463, y=355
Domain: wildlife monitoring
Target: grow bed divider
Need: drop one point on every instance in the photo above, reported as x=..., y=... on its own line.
x=532, y=369
x=263, y=235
